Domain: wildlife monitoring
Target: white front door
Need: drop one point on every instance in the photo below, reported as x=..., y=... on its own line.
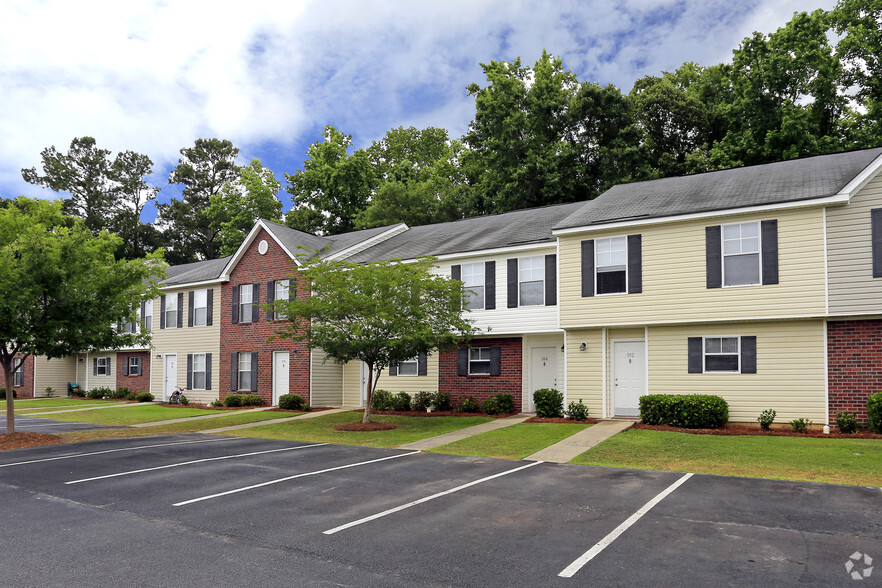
x=629, y=377
x=280, y=374
x=171, y=376
x=543, y=372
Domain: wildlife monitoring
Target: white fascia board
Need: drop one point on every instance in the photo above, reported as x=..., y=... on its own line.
x=368, y=243
x=497, y=251
x=221, y=280
x=225, y=275
x=860, y=180
x=839, y=198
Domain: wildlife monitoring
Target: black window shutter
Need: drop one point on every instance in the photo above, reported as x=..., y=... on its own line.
x=125, y=366
x=94, y=366
x=209, y=302
x=254, y=372
x=208, y=370
x=713, y=251
x=190, y=306
x=255, y=301
x=235, y=306
x=489, y=285
x=551, y=280
x=588, y=268
x=696, y=359
x=876, y=236
x=769, y=234
x=109, y=367
x=393, y=369
x=495, y=361
x=456, y=272
x=234, y=368
x=180, y=309
x=513, y=283
x=422, y=364
x=748, y=355
x=189, y=371
x=270, y=297
x=143, y=314
x=462, y=362
x=635, y=264
x=162, y=311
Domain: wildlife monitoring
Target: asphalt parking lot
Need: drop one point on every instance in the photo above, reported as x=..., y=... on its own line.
x=26, y=424
x=200, y=510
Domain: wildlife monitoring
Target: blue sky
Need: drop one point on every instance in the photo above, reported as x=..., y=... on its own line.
x=154, y=75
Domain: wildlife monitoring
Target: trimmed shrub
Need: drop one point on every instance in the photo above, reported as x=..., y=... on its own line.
x=233, y=400
x=847, y=423
x=252, y=400
x=766, y=418
x=874, y=412
x=50, y=392
x=101, y=392
x=441, y=401
x=801, y=424
x=122, y=392
x=3, y=394
x=292, y=402
x=549, y=403
x=401, y=401
x=421, y=401
x=381, y=400
x=217, y=402
x=184, y=400
x=144, y=397
x=577, y=411
x=491, y=406
x=468, y=404
x=689, y=411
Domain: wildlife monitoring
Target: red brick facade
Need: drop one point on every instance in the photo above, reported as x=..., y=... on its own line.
x=480, y=386
x=252, y=336
x=27, y=390
x=854, y=358
x=134, y=383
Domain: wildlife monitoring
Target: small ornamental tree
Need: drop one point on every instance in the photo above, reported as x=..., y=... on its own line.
x=61, y=289
x=380, y=313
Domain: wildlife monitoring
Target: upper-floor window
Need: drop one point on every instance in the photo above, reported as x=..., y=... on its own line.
x=130, y=327
x=473, y=281
x=741, y=254
x=531, y=280
x=171, y=311
x=612, y=265
x=246, y=297
x=281, y=293
x=200, y=308
x=147, y=315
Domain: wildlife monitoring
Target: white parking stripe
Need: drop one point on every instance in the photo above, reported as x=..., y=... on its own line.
x=6, y=465
x=426, y=499
x=351, y=465
x=574, y=567
x=183, y=463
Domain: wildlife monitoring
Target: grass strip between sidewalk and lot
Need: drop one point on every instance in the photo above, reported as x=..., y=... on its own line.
x=321, y=429
x=515, y=442
x=130, y=415
x=838, y=461
x=57, y=403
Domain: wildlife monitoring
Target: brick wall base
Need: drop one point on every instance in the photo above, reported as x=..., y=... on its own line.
x=134, y=383
x=854, y=358
x=480, y=387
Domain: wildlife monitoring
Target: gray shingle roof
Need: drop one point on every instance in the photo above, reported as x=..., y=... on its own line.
x=771, y=183
x=520, y=227
x=198, y=271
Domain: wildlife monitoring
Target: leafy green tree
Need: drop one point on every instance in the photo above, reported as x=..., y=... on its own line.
x=234, y=210
x=131, y=192
x=332, y=188
x=63, y=289
x=381, y=313
x=203, y=170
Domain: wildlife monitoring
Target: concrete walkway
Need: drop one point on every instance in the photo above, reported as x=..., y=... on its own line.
x=220, y=413
x=569, y=448
x=308, y=415
x=446, y=438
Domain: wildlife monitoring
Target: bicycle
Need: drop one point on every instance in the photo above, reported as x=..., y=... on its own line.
x=176, y=396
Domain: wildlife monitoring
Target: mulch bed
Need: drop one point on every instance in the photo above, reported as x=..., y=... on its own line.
x=560, y=420
x=757, y=432
x=363, y=427
x=20, y=440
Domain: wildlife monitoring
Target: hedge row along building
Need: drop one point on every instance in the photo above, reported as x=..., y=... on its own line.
x=762, y=284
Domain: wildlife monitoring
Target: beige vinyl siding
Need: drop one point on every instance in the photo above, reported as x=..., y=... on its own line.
x=853, y=289
x=327, y=381
x=674, y=276
x=412, y=384
x=184, y=341
x=55, y=373
x=352, y=384
x=789, y=378
x=101, y=381
x=585, y=369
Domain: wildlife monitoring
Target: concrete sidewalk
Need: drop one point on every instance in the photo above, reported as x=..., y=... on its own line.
x=569, y=448
x=308, y=415
x=446, y=438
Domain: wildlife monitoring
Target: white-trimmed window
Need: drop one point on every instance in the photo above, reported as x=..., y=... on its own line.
x=473, y=282
x=102, y=366
x=199, y=371
x=479, y=360
x=134, y=366
x=281, y=293
x=611, y=265
x=741, y=254
x=130, y=327
x=531, y=281
x=409, y=367
x=245, y=371
x=722, y=354
x=246, y=298
x=148, y=315
x=171, y=311
x=18, y=375
x=200, y=308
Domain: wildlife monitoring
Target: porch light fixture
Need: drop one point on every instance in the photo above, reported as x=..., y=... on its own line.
x=561, y=348
x=583, y=346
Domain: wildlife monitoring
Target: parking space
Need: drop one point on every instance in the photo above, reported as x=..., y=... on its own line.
x=368, y=516
x=27, y=424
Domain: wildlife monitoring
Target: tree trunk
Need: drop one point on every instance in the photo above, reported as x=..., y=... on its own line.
x=369, y=396
x=10, y=405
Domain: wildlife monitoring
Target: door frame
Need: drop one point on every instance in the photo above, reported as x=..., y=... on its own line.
x=528, y=401
x=362, y=393
x=165, y=371
x=275, y=397
x=612, y=371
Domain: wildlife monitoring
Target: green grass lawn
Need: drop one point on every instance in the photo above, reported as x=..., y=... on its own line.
x=515, y=442
x=56, y=403
x=838, y=461
x=130, y=415
x=321, y=429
